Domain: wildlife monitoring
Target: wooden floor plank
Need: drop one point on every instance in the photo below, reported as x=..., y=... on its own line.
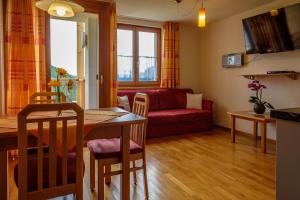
x=204, y=166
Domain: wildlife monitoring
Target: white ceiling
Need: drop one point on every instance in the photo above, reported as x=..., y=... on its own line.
x=169, y=10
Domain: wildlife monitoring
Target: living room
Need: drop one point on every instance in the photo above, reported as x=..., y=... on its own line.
x=208, y=92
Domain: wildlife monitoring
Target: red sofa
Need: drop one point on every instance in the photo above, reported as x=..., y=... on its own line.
x=168, y=114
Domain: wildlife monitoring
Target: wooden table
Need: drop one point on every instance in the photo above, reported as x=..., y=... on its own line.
x=251, y=116
x=117, y=127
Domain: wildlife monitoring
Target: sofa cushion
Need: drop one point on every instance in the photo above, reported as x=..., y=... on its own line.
x=173, y=98
x=194, y=101
x=177, y=116
x=123, y=102
x=153, y=97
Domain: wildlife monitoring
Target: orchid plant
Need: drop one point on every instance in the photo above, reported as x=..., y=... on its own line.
x=257, y=99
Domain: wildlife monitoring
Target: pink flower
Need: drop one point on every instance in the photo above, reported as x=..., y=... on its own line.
x=255, y=86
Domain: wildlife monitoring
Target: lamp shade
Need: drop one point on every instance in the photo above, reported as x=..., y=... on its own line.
x=59, y=8
x=202, y=18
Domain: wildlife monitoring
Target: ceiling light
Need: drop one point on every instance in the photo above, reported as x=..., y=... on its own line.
x=202, y=17
x=274, y=12
x=59, y=8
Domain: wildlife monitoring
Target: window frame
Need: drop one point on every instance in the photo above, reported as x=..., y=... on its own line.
x=136, y=29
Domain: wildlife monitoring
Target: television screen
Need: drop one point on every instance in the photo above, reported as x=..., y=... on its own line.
x=275, y=31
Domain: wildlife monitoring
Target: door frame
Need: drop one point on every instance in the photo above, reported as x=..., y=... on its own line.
x=2, y=94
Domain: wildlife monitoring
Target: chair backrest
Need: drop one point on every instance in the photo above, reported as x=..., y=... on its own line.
x=140, y=107
x=44, y=126
x=46, y=97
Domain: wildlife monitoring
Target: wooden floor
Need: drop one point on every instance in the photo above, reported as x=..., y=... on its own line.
x=198, y=166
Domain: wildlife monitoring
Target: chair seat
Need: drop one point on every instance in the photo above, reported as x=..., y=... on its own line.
x=110, y=148
x=33, y=171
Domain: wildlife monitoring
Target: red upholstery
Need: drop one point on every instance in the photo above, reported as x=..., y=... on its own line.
x=173, y=98
x=33, y=170
x=110, y=148
x=168, y=114
x=207, y=105
x=158, y=130
x=177, y=115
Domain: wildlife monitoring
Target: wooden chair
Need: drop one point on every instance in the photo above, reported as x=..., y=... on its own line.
x=46, y=97
x=44, y=173
x=107, y=151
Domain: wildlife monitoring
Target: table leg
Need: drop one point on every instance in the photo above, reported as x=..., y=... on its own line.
x=233, y=128
x=255, y=123
x=263, y=130
x=125, y=178
x=92, y=172
x=3, y=175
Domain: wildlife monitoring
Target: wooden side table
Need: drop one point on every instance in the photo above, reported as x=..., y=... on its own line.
x=251, y=116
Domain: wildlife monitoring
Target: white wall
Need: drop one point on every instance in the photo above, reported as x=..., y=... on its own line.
x=189, y=57
x=226, y=87
x=1, y=60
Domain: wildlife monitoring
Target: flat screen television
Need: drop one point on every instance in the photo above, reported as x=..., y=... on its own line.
x=274, y=31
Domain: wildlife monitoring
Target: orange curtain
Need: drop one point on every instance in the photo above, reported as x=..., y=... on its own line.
x=113, y=56
x=170, y=60
x=25, y=64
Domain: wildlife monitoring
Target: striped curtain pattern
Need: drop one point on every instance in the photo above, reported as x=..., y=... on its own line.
x=170, y=59
x=24, y=42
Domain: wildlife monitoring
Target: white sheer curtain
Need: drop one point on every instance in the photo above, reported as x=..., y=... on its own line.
x=1, y=60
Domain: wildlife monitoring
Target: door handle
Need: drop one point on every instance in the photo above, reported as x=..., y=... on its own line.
x=101, y=79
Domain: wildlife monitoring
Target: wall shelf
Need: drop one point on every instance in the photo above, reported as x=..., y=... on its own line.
x=291, y=75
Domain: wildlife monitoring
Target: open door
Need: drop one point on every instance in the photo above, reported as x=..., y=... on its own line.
x=74, y=47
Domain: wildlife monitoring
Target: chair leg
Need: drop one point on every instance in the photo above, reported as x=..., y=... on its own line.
x=100, y=181
x=107, y=170
x=134, y=173
x=92, y=172
x=145, y=177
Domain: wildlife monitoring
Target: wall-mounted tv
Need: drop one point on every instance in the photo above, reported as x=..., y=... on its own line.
x=274, y=31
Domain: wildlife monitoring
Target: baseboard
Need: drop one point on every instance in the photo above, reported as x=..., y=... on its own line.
x=222, y=127
x=242, y=133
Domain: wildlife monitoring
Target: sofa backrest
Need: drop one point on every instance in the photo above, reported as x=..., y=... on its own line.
x=152, y=93
x=160, y=99
x=173, y=98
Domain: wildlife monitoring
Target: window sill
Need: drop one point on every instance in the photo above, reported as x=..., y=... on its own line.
x=133, y=87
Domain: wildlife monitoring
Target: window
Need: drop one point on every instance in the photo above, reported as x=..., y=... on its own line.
x=139, y=55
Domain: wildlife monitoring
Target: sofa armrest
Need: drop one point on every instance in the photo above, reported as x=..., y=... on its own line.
x=207, y=105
